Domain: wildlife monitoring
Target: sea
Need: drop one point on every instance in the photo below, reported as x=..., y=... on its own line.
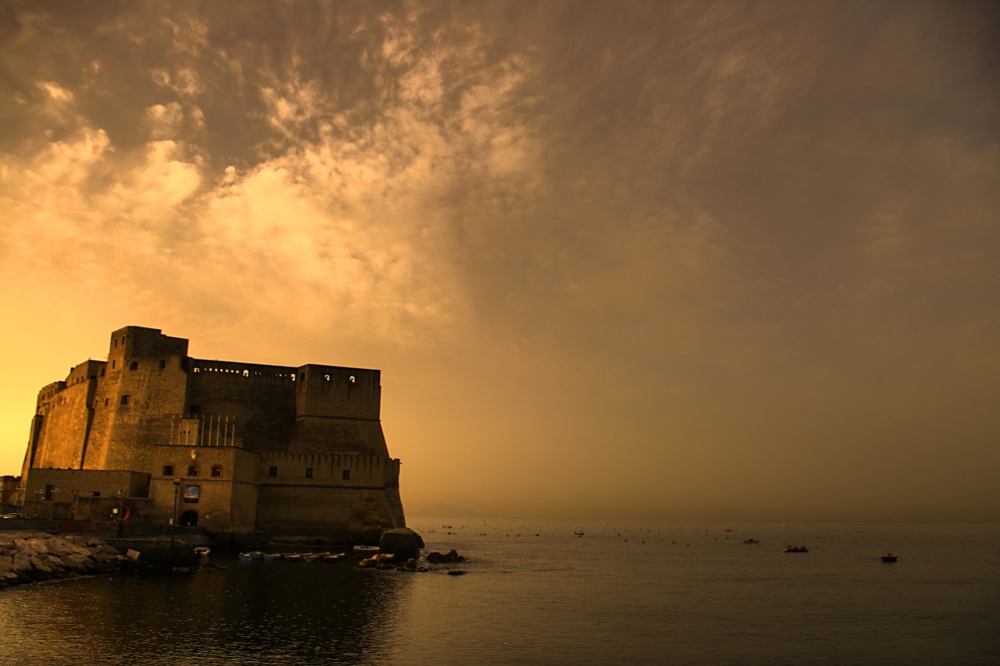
x=549, y=592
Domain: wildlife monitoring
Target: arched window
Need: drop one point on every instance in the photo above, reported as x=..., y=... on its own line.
x=216, y=470
x=193, y=470
x=168, y=470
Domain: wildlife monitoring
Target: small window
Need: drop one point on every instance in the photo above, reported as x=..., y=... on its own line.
x=114, y=343
x=102, y=372
x=163, y=363
x=326, y=378
x=105, y=402
x=95, y=493
x=216, y=470
x=351, y=379
x=113, y=364
x=194, y=409
x=49, y=490
x=347, y=475
x=193, y=470
x=168, y=470
x=124, y=399
x=309, y=472
x=133, y=365
x=197, y=369
x=246, y=373
x=272, y=472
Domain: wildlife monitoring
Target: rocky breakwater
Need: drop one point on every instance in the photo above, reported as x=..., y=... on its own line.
x=27, y=557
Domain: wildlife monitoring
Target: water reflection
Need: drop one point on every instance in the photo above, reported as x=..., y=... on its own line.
x=253, y=612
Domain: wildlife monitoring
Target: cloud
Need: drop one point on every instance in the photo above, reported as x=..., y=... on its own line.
x=723, y=222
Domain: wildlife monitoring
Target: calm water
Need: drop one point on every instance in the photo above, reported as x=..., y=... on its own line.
x=677, y=593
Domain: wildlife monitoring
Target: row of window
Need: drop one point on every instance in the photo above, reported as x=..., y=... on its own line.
x=246, y=373
x=273, y=473
x=168, y=470
x=192, y=470
x=124, y=400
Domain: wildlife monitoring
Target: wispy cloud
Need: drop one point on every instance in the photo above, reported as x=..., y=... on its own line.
x=704, y=210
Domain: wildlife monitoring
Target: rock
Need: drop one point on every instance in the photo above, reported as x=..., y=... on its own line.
x=21, y=563
x=38, y=565
x=40, y=546
x=402, y=542
x=40, y=556
x=79, y=563
x=53, y=562
x=61, y=547
x=451, y=556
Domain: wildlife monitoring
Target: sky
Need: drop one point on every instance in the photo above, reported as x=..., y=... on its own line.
x=652, y=260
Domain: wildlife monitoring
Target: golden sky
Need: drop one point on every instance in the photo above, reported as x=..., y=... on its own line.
x=734, y=260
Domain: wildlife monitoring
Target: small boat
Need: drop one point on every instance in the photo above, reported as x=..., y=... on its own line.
x=293, y=557
x=889, y=557
x=751, y=540
x=202, y=551
x=795, y=549
x=271, y=557
x=365, y=549
x=252, y=555
x=333, y=558
x=578, y=533
x=312, y=557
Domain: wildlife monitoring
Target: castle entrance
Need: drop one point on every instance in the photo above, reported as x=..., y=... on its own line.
x=189, y=518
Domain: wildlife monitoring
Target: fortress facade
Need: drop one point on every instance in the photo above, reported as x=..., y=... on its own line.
x=151, y=433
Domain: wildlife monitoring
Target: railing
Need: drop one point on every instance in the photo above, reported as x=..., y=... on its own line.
x=207, y=430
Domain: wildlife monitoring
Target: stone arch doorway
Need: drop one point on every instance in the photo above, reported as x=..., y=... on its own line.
x=189, y=518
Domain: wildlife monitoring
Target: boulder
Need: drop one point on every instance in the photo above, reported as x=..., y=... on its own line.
x=21, y=563
x=401, y=542
x=79, y=563
x=61, y=547
x=52, y=562
x=451, y=556
x=38, y=565
x=39, y=545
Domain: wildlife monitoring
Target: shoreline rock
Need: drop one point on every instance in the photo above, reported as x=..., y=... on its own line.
x=33, y=557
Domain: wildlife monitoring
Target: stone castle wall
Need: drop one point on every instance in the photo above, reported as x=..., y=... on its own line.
x=151, y=408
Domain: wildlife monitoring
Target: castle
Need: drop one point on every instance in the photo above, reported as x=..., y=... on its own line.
x=153, y=435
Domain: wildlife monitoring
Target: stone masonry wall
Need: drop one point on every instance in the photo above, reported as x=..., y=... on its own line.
x=144, y=388
x=261, y=400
